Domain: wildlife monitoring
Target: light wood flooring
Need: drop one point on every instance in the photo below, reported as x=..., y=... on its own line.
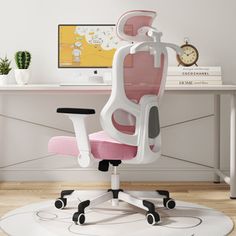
x=17, y=194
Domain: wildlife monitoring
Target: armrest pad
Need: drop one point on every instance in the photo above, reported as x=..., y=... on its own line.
x=82, y=111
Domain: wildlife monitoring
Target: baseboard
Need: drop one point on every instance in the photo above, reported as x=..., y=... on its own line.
x=92, y=175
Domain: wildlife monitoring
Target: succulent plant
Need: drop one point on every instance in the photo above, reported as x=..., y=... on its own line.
x=23, y=59
x=4, y=66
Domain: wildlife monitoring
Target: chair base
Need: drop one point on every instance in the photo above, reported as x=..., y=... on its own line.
x=115, y=194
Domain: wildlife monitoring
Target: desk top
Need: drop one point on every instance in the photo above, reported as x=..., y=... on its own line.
x=101, y=88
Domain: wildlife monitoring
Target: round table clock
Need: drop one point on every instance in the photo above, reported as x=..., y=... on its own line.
x=190, y=55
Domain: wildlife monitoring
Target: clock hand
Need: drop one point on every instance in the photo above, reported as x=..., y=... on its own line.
x=188, y=54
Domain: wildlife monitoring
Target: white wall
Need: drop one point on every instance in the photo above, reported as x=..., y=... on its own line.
x=28, y=121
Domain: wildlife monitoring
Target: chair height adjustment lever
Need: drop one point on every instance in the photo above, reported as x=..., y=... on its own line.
x=103, y=165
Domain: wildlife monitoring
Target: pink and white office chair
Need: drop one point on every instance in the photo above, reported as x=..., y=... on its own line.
x=130, y=119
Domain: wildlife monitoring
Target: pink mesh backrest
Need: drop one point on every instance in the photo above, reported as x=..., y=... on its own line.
x=130, y=22
x=134, y=23
x=140, y=76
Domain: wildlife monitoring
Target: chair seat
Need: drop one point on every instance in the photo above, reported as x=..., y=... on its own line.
x=102, y=147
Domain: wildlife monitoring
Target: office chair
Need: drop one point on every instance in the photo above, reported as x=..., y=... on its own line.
x=130, y=119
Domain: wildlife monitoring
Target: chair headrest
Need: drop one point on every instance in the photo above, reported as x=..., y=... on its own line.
x=134, y=25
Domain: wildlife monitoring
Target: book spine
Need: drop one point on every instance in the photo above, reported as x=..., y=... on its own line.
x=194, y=71
x=193, y=78
x=196, y=82
x=193, y=68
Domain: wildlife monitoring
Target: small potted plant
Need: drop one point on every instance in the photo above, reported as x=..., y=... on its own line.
x=4, y=70
x=22, y=74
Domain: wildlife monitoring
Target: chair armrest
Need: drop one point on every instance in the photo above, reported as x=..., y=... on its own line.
x=78, y=117
x=82, y=111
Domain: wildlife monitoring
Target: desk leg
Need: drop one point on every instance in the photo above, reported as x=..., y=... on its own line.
x=216, y=136
x=232, y=147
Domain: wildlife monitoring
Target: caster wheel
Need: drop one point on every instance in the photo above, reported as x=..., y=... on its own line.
x=169, y=203
x=60, y=203
x=79, y=218
x=153, y=218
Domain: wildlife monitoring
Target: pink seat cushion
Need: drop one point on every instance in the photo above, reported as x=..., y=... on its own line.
x=102, y=147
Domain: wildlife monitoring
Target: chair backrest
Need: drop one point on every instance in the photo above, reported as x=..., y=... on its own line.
x=131, y=114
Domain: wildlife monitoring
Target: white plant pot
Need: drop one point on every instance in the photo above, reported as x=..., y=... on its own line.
x=22, y=76
x=3, y=79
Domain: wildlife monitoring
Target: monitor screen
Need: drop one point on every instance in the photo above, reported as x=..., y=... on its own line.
x=86, y=46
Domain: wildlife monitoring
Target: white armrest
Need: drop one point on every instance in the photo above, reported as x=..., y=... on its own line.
x=85, y=159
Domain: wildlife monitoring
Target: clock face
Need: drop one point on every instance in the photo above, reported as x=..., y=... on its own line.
x=189, y=56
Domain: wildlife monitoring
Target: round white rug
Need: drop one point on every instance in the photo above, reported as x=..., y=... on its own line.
x=43, y=219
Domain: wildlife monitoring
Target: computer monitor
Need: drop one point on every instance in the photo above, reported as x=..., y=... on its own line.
x=86, y=46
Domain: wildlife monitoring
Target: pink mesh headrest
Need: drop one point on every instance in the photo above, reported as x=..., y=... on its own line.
x=130, y=22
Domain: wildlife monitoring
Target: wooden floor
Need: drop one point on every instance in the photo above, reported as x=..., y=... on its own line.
x=17, y=194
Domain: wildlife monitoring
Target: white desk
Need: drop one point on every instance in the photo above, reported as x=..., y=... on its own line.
x=214, y=90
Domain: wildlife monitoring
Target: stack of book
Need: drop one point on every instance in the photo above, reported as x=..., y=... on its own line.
x=198, y=75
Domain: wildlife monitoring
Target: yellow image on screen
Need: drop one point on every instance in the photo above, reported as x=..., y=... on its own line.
x=87, y=45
